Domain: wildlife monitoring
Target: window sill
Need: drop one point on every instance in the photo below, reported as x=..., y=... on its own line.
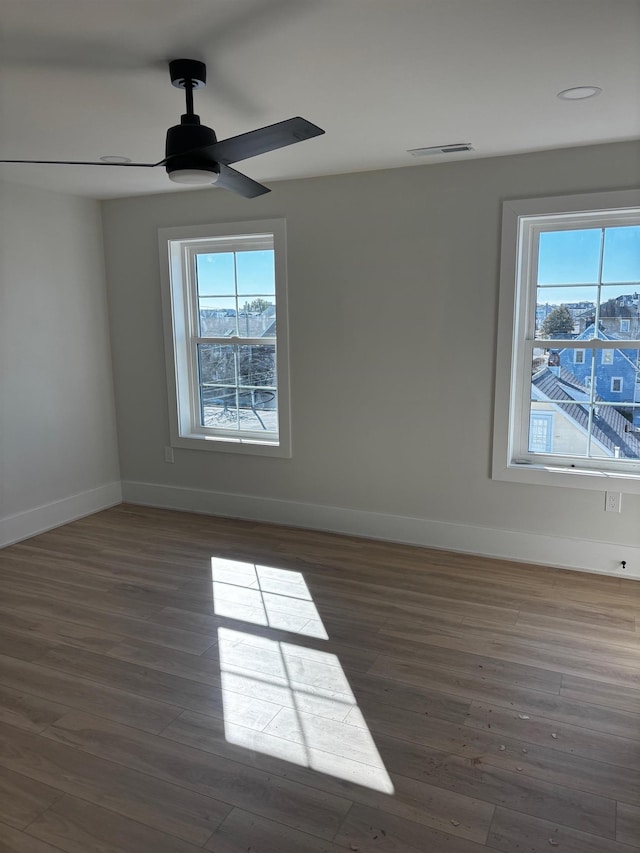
x=221, y=444
x=567, y=477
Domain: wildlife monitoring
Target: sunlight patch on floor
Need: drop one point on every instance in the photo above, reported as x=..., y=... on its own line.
x=282, y=699
x=265, y=596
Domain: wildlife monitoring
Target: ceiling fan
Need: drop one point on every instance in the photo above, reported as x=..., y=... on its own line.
x=193, y=154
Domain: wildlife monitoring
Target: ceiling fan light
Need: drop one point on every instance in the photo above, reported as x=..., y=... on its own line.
x=194, y=177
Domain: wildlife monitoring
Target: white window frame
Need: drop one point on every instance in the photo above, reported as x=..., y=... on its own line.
x=625, y=324
x=177, y=247
x=515, y=343
x=615, y=379
x=607, y=357
x=581, y=353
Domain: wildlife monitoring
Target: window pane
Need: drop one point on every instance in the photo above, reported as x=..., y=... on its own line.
x=215, y=274
x=558, y=428
x=257, y=366
x=256, y=273
x=257, y=318
x=219, y=407
x=616, y=376
x=227, y=408
x=614, y=384
x=620, y=311
x=564, y=312
x=258, y=409
x=616, y=432
x=621, y=254
x=217, y=364
x=217, y=316
x=569, y=257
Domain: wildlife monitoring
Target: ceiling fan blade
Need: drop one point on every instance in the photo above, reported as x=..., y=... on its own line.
x=229, y=179
x=262, y=140
x=84, y=163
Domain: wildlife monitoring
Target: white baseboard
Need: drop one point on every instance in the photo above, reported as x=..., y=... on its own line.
x=565, y=552
x=22, y=525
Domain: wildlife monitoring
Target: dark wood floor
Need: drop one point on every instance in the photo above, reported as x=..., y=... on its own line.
x=171, y=682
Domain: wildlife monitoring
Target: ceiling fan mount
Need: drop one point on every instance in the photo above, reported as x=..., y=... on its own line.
x=184, y=72
x=193, y=154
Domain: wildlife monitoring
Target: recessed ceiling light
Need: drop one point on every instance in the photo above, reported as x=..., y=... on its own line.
x=579, y=93
x=115, y=158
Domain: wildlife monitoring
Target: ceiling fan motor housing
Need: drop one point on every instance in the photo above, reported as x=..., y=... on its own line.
x=182, y=143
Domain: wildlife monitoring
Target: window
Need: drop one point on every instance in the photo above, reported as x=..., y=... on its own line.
x=541, y=432
x=225, y=313
x=570, y=268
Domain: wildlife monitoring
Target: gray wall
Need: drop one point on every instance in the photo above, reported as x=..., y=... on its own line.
x=57, y=420
x=393, y=288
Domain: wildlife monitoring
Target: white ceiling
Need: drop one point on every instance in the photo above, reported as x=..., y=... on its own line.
x=80, y=79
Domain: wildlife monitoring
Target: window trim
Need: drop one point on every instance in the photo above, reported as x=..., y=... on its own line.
x=512, y=303
x=619, y=379
x=176, y=246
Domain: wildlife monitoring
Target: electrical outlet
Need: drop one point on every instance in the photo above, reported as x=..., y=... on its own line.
x=168, y=454
x=612, y=502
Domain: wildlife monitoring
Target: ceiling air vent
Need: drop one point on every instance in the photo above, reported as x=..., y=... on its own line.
x=453, y=148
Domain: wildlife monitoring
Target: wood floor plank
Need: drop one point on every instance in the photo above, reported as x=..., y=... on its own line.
x=512, y=831
x=243, y=831
x=80, y=827
x=372, y=690
x=620, y=616
x=23, y=647
x=626, y=637
x=600, y=667
x=299, y=806
x=152, y=684
x=414, y=672
x=22, y=799
x=628, y=824
x=206, y=670
x=576, y=740
x=371, y=831
x=110, y=602
x=158, y=804
x=534, y=648
x=126, y=626
x=77, y=692
x=118, y=567
x=26, y=711
x=58, y=632
x=596, y=692
x=15, y=841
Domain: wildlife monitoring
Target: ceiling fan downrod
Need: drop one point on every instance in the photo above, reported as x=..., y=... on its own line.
x=188, y=74
x=183, y=166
